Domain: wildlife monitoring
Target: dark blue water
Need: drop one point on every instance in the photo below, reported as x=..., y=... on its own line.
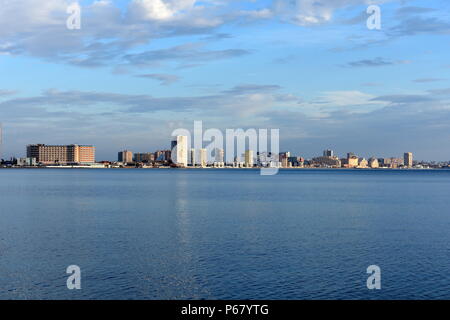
x=224, y=234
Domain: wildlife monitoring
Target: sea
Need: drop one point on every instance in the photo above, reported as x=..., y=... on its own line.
x=164, y=234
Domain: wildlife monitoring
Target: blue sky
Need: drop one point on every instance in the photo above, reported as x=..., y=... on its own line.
x=138, y=69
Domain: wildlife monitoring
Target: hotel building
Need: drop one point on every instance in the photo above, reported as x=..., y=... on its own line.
x=69, y=154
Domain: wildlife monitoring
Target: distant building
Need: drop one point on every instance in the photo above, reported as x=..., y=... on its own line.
x=390, y=162
x=352, y=161
x=283, y=158
x=326, y=161
x=125, y=156
x=86, y=154
x=26, y=162
x=408, y=159
x=284, y=155
x=192, y=157
x=203, y=158
x=373, y=163
x=163, y=155
x=381, y=162
x=61, y=154
x=144, y=157
x=179, y=148
x=9, y=163
x=219, y=155
x=267, y=158
x=248, y=159
x=328, y=153
x=362, y=163
x=295, y=161
x=395, y=162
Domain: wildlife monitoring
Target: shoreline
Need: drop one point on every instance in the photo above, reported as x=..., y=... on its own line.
x=225, y=168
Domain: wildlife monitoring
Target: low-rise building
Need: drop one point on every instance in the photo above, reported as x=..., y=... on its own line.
x=373, y=163
x=144, y=157
x=352, y=161
x=327, y=161
x=362, y=163
x=26, y=162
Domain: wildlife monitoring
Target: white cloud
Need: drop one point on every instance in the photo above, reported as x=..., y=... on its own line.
x=27, y=15
x=346, y=98
x=152, y=9
x=312, y=12
x=258, y=14
x=352, y=101
x=38, y=28
x=169, y=10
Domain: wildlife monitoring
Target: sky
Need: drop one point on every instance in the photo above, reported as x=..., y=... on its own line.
x=136, y=70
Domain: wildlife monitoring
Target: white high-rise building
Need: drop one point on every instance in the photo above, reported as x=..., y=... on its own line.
x=193, y=157
x=219, y=155
x=203, y=158
x=180, y=151
x=249, y=158
x=408, y=159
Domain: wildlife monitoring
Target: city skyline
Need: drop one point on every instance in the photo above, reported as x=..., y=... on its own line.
x=128, y=155
x=202, y=156
x=316, y=72
x=182, y=154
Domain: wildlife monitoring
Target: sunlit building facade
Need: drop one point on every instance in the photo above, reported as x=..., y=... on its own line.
x=61, y=154
x=248, y=159
x=408, y=159
x=180, y=151
x=125, y=156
